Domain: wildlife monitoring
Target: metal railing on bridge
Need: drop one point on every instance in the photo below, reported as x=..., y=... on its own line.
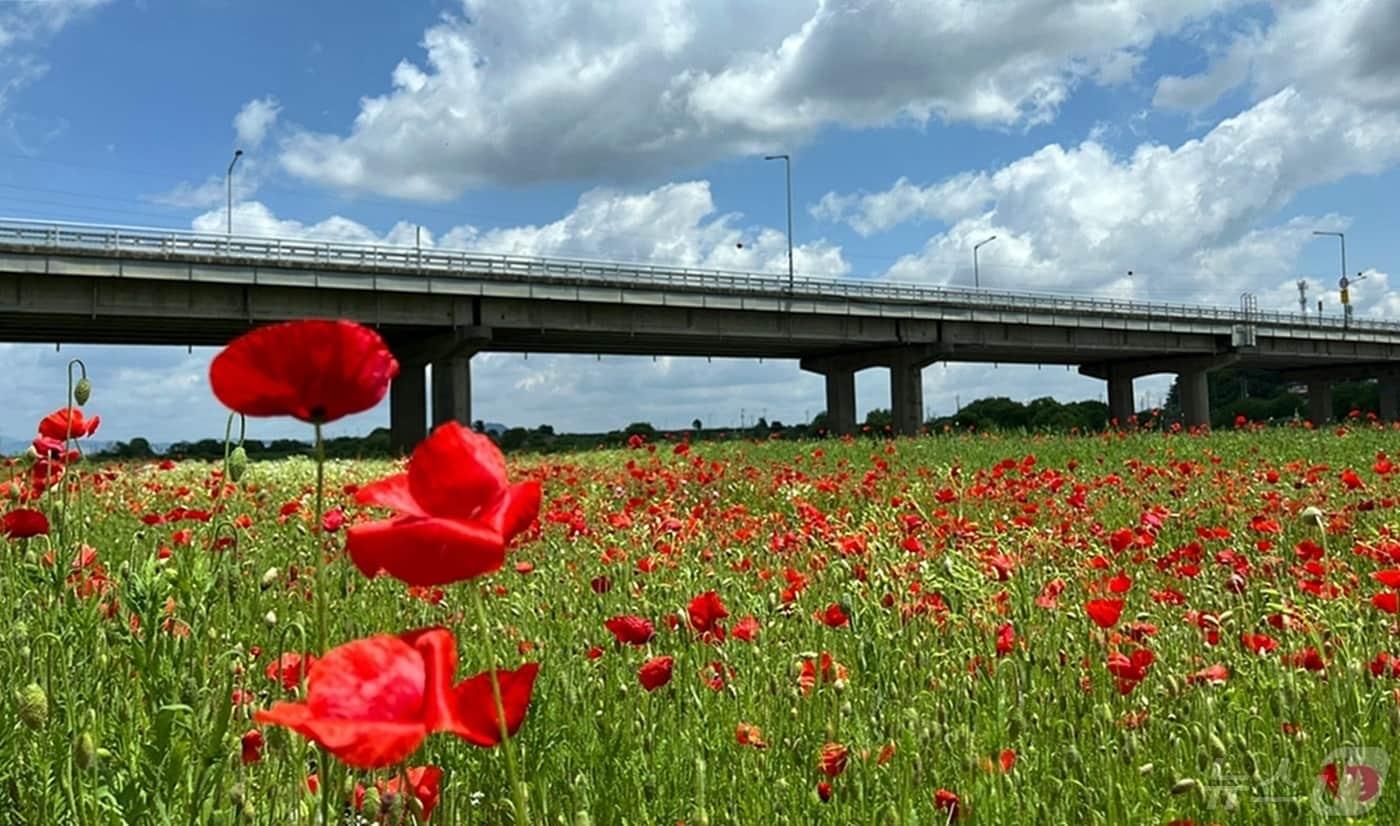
x=179, y=244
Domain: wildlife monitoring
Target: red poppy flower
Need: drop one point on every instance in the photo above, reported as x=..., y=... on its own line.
x=706, y=611
x=947, y=801
x=456, y=512
x=824, y=791
x=747, y=629
x=655, y=672
x=1366, y=778
x=631, y=630
x=747, y=734
x=289, y=668
x=23, y=523
x=371, y=702
x=252, y=745
x=1390, y=577
x=1104, y=612
x=317, y=371
x=1006, y=639
x=1387, y=601
x=425, y=782
x=1212, y=675
x=1258, y=643
x=1130, y=669
x=68, y=423
x=834, y=616
x=832, y=759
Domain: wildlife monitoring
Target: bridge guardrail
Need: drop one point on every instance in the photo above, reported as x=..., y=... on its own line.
x=178, y=244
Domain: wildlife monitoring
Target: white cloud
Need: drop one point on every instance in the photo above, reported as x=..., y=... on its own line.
x=254, y=120
x=675, y=224
x=521, y=92
x=1336, y=48
x=1186, y=220
x=24, y=26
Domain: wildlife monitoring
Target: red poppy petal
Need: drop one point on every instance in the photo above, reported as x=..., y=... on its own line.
x=379, y=678
x=424, y=552
x=477, y=722
x=517, y=509
x=392, y=493
x=456, y=472
x=366, y=744
x=438, y=649
x=311, y=370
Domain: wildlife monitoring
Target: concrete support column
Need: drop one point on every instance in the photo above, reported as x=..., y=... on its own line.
x=907, y=396
x=1389, y=390
x=841, y=401
x=452, y=390
x=408, y=408
x=1121, y=404
x=1194, y=391
x=1319, y=401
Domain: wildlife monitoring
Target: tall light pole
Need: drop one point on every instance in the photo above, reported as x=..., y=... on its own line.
x=237, y=153
x=1343, y=238
x=787, y=166
x=976, y=272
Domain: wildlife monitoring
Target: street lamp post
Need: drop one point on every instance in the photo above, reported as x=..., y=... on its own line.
x=976, y=272
x=1341, y=236
x=237, y=153
x=787, y=166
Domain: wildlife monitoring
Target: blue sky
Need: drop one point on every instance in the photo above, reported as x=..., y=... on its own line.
x=1196, y=143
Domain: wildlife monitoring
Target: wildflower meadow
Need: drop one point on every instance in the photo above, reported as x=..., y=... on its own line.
x=1139, y=626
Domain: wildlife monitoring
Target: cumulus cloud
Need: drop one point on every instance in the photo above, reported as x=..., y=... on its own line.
x=522, y=92
x=675, y=224
x=1340, y=48
x=254, y=120
x=1187, y=220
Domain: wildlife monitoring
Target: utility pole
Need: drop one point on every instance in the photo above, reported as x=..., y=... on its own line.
x=1303, y=296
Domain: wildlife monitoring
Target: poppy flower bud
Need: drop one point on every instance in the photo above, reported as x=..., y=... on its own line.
x=237, y=463
x=1146, y=768
x=1217, y=746
x=236, y=795
x=32, y=706
x=84, y=751
x=82, y=391
x=269, y=578
x=372, y=802
x=391, y=809
x=1184, y=785
x=270, y=618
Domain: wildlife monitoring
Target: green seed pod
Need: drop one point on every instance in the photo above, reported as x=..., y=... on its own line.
x=33, y=706
x=237, y=463
x=1184, y=785
x=248, y=811
x=82, y=391
x=371, y=802
x=1146, y=768
x=84, y=751
x=1217, y=746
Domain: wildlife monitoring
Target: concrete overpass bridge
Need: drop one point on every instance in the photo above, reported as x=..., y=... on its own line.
x=436, y=308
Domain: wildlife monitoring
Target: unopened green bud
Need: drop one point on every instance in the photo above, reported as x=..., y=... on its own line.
x=82, y=391
x=1184, y=785
x=371, y=804
x=33, y=706
x=237, y=463
x=84, y=750
x=269, y=578
x=236, y=795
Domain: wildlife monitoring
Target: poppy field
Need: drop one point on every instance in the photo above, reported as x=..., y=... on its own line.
x=1125, y=627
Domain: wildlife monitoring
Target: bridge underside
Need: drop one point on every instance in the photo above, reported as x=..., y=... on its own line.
x=444, y=330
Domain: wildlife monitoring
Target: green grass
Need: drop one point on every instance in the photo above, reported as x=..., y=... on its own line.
x=596, y=748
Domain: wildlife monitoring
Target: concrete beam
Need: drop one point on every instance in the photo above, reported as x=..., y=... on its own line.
x=907, y=396
x=921, y=354
x=408, y=409
x=1132, y=368
x=441, y=346
x=452, y=391
x=1194, y=390
x=1319, y=401
x=1347, y=372
x=1121, y=403
x=1388, y=394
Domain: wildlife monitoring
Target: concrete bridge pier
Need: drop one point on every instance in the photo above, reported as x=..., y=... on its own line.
x=1388, y=388
x=452, y=390
x=840, y=401
x=907, y=395
x=1121, y=404
x=1193, y=386
x=408, y=410
x=1319, y=401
